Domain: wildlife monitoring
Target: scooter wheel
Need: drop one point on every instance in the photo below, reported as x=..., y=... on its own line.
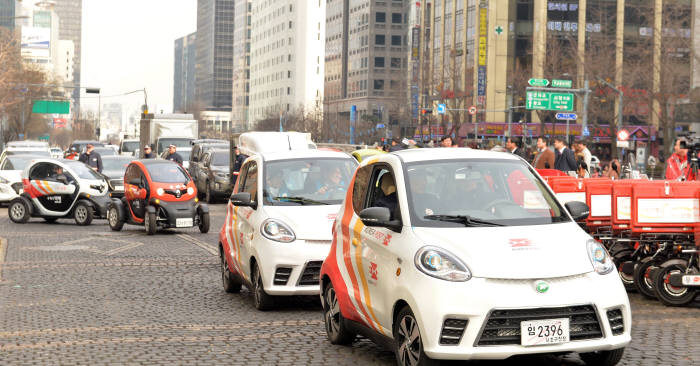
x=620, y=257
x=18, y=211
x=667, y=293
x=642, y=277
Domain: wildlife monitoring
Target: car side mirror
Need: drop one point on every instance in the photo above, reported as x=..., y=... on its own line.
x=578, y=210
x=379, y=216
x=135, y=181
x=243, y=199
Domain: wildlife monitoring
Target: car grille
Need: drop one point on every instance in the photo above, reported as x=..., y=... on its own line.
x=503, y=326
x=282, y=275
x=617, y=324
x=452, y=330
x=310, y=276
x=17, y=187
x=117, y=182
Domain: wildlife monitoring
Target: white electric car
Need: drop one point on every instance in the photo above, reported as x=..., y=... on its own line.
x=466, y=254
x=278, y=227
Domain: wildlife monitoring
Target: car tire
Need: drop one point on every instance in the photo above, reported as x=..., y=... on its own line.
x=619, y=257
x=603, y=358
x=642, y=280
x=115, y=222
x=18, y=211
x=50, y=220
x=261, y=299
x=336, y=331
x=408, y=341
x=82, y=214
x=149, y=221
x=204, y=222
x=671, y=295
x=229, y=280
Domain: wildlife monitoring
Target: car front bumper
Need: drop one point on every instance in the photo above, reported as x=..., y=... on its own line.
x=476, y=300
x=169, y=212
x=298, y=263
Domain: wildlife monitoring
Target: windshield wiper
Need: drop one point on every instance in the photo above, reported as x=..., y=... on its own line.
x=302, y=200
x=462, y=219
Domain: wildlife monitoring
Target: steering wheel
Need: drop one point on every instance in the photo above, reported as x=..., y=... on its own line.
x=491, y=206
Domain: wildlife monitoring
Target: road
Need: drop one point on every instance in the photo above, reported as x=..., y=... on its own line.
x=86, y=295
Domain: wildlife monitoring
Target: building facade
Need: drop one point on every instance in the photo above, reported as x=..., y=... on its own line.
x=70, y=15
x=214, y=55
x=286, y=57
x=184, y=74
x=366, y=66
x=241, y=64
x=8, y=12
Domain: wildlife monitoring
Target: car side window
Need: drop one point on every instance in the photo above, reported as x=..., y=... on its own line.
x=241, y=179
x=131, y=173
x=359, y=189
x=382, y=191
x=251, y=181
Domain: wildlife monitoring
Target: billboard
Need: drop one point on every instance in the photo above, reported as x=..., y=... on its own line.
x=36, y=42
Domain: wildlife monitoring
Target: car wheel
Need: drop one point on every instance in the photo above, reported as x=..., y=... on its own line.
x=18, y=211
x=204, y=222
x=667, y=293
x=149, y=221
x=603, y=358
x=408, y=341
x=50, y=220
x=231, y=284
x=642, y=277
x=261, y=299
x=620, y=257
x=115, y=222
x=336, y=331
x=82, y=214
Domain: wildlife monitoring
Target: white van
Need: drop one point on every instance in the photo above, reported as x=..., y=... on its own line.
x=251, y=143
x=37, y=148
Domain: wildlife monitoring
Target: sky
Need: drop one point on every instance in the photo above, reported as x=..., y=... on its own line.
x=128, y=45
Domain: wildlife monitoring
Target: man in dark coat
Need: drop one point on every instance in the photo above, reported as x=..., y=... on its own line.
x=173, y=155
x=148, y=152
x=237, y=164
x=564, y=158
x=513, y=146
x=91, y=158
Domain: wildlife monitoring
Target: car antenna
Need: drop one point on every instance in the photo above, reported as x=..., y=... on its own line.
x=289, y=142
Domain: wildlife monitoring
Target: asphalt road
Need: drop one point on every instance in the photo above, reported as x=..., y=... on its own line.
x=86, y=295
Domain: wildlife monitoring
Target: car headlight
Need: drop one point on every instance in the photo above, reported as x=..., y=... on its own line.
x=190, y=190
x=4, y=181
x=602, y=263
x=277, y=230
x=160, y=191
x=439, y=263
x=220, y=174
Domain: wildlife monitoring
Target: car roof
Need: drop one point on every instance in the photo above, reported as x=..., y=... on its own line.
x=149, y=162
x=118, y=157
x=427, y=154
x=299, y=154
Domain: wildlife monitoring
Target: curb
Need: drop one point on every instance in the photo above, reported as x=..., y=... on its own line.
x=3, y=248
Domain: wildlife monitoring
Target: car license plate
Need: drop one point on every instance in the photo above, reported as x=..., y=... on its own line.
x=691, y=280
x=542, y=332
x=183, y=222
x=119, y=188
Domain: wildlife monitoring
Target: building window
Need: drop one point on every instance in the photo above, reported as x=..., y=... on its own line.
x=379, y=62
x=396, y=40
x=289, y=91
x=379, y=39
x=395, y=62
x=379, y=85
x=380, y=17
x=290, y=24
x=396, y=18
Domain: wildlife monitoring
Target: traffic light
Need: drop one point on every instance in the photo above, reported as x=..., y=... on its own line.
x=426, y=111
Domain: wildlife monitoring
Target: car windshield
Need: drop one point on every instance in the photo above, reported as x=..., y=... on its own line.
x=178, y=142
x=83, y=171
x=16, y=162
x=117, y=165
x=44, y=153
x=130, y=146
x=105, y=151
x=220, y=159
x=495, y=192
x=307, y=182
x=167, y=173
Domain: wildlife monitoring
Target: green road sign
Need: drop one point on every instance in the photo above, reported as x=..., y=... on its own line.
x=548, y=101
x=561, y=83
x=44, y=138
x=51, y=107
x=538, y=82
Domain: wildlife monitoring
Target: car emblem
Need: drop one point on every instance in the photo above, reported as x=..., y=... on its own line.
x=178, y=193
x=541, y=286
x=520, y=243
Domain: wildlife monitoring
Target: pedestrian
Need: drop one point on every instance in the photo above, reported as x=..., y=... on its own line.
x=677, y=166
x=613, y=170
x=513, y=146
x=396, y=145
x=237, y=164
x=582, y=150
x=564, y=159
x=173, y=155
x=73, y=154
x=446, y=141
x=91, y=158
x=544, y=158
x=148, y=153
x=582, y=170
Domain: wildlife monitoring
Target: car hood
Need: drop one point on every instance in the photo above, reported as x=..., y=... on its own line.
x=113, y=174
x=515, y=252
x=12, y=175
x=308, y=222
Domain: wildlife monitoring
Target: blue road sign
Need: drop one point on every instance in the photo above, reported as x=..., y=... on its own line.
x=586, y=132
x=442, y=108
x=569, y=116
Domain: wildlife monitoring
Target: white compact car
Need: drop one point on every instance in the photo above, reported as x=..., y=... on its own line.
x=465, y=254
x=11, y=175
x=278, y=227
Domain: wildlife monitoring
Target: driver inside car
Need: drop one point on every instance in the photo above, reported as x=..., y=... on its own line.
x=58, y=176
x=275, y=185
x=423, y=201
x=470, y=192
x=332, y=184
x=388, y=197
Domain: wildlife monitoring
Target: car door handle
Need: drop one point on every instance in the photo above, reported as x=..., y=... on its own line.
x=355, y=242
